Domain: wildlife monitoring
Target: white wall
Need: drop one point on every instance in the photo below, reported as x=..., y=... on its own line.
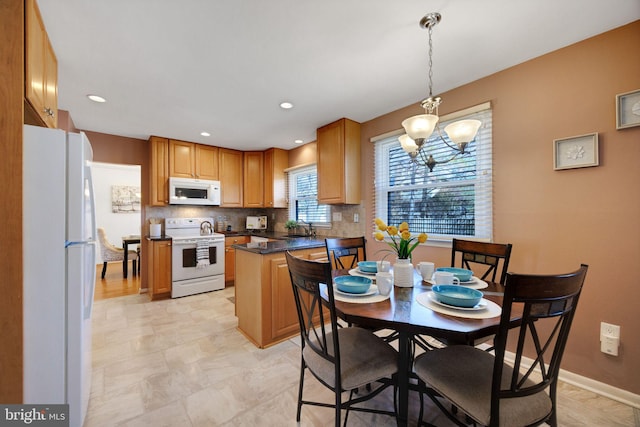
x=116, y=225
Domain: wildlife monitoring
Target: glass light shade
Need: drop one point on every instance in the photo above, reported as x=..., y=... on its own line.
x=407, y=143
x=463, y=131
x=420, y=126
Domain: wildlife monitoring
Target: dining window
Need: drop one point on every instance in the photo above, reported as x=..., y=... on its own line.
x=303, y=197
x=452, y=201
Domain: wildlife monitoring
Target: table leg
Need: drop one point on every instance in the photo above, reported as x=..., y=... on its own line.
x=125, y=261
x=403, y=378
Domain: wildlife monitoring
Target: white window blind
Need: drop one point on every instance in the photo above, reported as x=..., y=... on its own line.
x=303, y=197
x=453, y=201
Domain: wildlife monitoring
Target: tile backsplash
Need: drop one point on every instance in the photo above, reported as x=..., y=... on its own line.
x=345, y=227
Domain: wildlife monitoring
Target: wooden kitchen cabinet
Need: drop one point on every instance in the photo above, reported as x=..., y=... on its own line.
x=41, y=70
x=191, y=160
x=265, y=305
x=338, y=155
x=231, y=178
x=159, y=269
x=253, y=179
x=276, y=160
x=159, y=171
x=230, y=255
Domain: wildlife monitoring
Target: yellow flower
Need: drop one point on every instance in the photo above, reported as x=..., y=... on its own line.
x=406, y=234
x=403, y=227
x=422, y=237
x=379, y=236
x=381, y=225
x=392, y=230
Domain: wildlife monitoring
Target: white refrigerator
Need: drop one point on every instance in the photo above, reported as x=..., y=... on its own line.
x=59, y=243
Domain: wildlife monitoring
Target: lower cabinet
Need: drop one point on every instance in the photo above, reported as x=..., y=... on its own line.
x=265, y=306
x=159, y=269
x=230, y=256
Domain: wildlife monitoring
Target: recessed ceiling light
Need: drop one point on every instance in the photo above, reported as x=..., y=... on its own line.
x=96, y=98
x=298, y=141
x=205, y=134
x=286, y=105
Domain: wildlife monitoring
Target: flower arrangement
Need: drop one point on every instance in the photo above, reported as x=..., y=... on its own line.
x=402, y=244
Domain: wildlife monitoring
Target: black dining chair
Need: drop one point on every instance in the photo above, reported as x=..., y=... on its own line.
x=346, y=252
x=509, y=389
x=483, y=258
x=342, y=359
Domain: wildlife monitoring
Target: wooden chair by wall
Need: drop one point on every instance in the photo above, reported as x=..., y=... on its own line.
x=346, y=252
x=482, y=257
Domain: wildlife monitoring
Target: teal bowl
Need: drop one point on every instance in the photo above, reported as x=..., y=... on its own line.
x=352, y=284
x=457, y=296
x=462, y=274
x=368, y=266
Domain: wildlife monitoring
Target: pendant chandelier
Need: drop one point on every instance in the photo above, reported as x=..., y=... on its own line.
x=419, y=128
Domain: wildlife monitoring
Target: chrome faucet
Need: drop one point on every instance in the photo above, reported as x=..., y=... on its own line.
x=309, y=231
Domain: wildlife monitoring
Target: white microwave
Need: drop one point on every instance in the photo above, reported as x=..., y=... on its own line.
x=186, y=191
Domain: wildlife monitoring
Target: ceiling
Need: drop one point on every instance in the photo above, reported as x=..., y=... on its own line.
x=177, y=68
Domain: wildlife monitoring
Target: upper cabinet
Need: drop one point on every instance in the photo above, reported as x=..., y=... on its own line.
x=253, y=179
x=159, y=171
x=276, y=161
x=41, y=70
x=338, y=146
x=190, y=160
x=231, y=178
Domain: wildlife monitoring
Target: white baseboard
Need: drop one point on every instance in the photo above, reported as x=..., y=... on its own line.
x=594, y=386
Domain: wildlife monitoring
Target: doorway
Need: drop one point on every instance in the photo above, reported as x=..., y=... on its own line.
x=118, y=211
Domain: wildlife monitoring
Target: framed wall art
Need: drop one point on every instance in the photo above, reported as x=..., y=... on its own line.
x=628, y=109
x=576, y=152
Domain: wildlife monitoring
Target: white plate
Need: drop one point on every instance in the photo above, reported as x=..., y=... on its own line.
x=365, y=272
x=480, y=306
x=372, y=291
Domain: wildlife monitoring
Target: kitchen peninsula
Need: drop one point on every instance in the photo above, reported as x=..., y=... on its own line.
x=265, y=306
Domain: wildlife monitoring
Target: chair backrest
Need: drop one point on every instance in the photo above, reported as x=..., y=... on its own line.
x=306, y=279
x=108, y=251
x=549, y=303
x=482, y=255
x=346, y=252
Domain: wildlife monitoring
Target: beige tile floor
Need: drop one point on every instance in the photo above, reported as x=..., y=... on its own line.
x=182, y=363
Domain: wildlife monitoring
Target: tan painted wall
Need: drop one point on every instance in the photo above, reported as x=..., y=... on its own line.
x=559, y=219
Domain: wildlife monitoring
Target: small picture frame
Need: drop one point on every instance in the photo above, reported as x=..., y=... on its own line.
x=628, y=109
x=576, y=152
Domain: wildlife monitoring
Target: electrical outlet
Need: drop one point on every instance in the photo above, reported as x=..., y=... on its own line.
x=356, y=217
x=609, y=338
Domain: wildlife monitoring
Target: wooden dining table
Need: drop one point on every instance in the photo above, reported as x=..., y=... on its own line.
x=403, y=313
x=131, y=239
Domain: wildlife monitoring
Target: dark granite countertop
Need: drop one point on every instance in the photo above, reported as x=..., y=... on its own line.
x=281, y=242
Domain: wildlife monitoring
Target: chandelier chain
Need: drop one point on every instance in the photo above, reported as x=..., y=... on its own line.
x=430, y=62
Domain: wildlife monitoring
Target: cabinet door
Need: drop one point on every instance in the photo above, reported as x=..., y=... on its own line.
x=41, y=68
x=182, y=159
x=338, y=152
x=207, y=162
x=50, y=86
x=284, y=317
x=159, y=171
x=160, y=268
x=276, y=161
x=230, y=178
x=253, y=179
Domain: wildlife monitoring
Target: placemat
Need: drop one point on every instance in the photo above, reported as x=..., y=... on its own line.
x=357, y=299
x=492, y=310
